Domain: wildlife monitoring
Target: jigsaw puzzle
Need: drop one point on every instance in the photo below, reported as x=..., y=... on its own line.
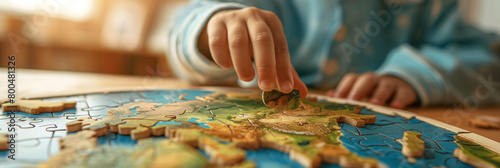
x=207, y=128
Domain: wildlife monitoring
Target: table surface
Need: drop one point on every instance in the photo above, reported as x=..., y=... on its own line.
x=42, y=83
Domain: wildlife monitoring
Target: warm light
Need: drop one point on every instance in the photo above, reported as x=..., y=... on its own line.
x=68, y=9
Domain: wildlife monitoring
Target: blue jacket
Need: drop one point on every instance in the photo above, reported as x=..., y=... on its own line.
x=424, y=42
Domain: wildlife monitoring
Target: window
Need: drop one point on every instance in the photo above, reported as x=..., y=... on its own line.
x=68, y=9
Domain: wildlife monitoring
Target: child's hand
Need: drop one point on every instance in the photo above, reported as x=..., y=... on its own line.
x=234, y=37
x=381, y=89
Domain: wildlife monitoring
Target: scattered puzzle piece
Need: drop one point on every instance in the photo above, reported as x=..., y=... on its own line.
x=413, y=146
x=4, y=138
x=38, y=106
x=486, y=122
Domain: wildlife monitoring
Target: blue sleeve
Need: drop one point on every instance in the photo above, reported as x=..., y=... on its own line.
x=453, y=64
x=183, y=55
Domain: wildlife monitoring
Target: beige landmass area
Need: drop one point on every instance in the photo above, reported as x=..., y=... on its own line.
x=225, y=124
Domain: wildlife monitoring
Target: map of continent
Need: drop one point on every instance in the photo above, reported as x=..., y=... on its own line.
x=198, y=128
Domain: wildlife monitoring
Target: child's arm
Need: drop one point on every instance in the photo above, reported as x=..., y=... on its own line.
x=448, y=62
x=182, y=54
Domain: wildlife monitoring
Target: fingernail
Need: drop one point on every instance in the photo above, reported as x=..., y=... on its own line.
x=287, y=87
x=266, y=85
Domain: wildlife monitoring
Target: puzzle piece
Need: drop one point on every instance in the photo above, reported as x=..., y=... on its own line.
x=471, y=159
x=413, y=146
x=476, y=155
x=277, y=99
x=78, y=124
x=38, y=106
x=181, y=96
x=79, y=141
x=135, y=119
x=222, y=154
x=4, y=138
x=486, y=122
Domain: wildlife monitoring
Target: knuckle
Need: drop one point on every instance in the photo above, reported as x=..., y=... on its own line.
x=282, y=48
x=263, y=38
x=237, y=41
x=252, y=9
x=284, y=67
x=215, y=42
x=265, y=67
x=215, y=18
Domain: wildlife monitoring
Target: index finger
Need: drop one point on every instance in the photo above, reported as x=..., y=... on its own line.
x=283, y=64
x=264, y=56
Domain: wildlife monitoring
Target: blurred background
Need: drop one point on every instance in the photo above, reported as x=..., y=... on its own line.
x=119, y=36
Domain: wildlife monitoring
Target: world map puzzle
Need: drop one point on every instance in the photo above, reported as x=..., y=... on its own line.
x=210, y=128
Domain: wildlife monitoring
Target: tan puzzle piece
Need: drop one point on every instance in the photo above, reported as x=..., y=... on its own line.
x=413, y=145
x=350, y=161
x=78, y=124
x=486, y=122
x=222, y=154
x=4, y=138
x=219, y=154
x=138, y=126
x=181, y=97
x=38, y=106
x=82, y=140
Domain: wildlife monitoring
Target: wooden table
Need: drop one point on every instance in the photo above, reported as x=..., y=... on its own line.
x=40, y=83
